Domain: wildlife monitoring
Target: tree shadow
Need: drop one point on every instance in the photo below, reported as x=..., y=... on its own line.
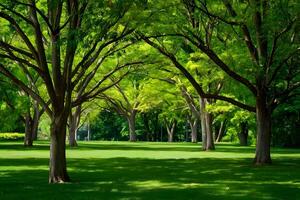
x=139, y=178
x=18, y=146
x=145, y=146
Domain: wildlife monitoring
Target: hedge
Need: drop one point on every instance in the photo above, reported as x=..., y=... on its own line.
x=11, y=136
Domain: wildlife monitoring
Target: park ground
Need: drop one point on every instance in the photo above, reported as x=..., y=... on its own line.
x=154, y=171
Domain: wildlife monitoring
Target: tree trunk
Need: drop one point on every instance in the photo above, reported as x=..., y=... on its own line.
x=36, y=119
x=209, y=134
x=170, y=130
x=31, y=126
x=194, y=129
x=58, y=167
x=206, y=127
x=28, y=140
x=88, y=128
x=72, y=131
x=221, y=131
x=263, y=139
x=203, y=123
x=74, y=120
x=131, y=126
x=243, y=135
x=35, y=127
x=170, y=136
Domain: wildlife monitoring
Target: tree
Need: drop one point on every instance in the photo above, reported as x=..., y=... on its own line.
x=194, y=116
x=85, y=93
x=125, y=101
x=62, y=42
x=24, y=108
x=32, y=118
x=268, y=41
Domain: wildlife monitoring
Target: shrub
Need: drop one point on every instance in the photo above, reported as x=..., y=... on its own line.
x=11, y=136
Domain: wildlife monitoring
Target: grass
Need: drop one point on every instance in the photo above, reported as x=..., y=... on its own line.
x=150, y=171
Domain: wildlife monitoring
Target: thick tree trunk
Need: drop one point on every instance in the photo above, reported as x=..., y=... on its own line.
x=72, y=132
x=206, y=127
x=58, y=167
x=131, y=126
x=203, y=123
x=209, y=134
x=263, y=139
x=243, y=135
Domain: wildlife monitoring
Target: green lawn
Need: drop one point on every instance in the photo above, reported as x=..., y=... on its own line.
x=154, y=171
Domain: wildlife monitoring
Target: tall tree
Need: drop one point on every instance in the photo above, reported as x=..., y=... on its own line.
x=258, y=31
x=61, y=41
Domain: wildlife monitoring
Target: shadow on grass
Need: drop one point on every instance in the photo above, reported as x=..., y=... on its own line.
x=18, y=146
x=187, y=147
x=145, y=146
x=151, y=179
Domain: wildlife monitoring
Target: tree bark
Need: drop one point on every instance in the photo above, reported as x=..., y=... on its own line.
x=263, y=139
x=58, y=167
x=243, y=135
x=31, y=126
x=194, y=129
x=221, y=131
x=131, y=126
x=206, y=127
x=209, y=134
x=72, y=131
x=203, y=123
x=35, y=126
x=170, y=130
x=74, y=120
x=36, y=119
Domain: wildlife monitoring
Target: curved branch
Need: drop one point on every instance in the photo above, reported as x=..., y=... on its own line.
x=21, y=33
x=44, y=17
x=17, y=14
x=25, y=88
x=21, y=51
x=210, y=53
x=196, y=85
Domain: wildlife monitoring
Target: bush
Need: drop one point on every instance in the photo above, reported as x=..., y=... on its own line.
x=11, y=136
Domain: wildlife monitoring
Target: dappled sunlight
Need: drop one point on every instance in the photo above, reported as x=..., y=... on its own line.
x=126, y=171
x=156, y=184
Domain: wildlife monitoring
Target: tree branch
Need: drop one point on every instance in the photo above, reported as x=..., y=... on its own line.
x=25, y=88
